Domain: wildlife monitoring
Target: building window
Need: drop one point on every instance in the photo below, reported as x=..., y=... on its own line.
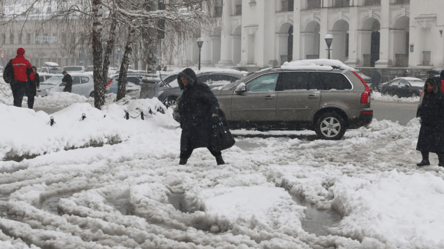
x=372, y=2
x=287, y=5
x=342, y=3
x=11, y=38
x=20, y=38
x=28, y=38
x=313, y=4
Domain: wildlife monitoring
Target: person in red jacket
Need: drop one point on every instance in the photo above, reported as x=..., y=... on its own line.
x=22, y=73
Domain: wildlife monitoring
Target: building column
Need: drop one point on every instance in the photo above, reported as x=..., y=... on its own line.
x=397, y=42
x=206, y=51
x=226, y=41
x=384, y=43
x=215, y=49
x=323, y=53
x=353, y=51
x=297, y=35
x=236, y=52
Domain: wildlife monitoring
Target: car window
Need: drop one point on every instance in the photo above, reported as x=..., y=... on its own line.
x=329, y=81
x=263, y=83
x=72, y=68
x=75, y=80
x=133, y=80
x=293, y=81
x=394, y=82
x=84, y=79
x=41, y=78
x=204, y=78
x=54, y=80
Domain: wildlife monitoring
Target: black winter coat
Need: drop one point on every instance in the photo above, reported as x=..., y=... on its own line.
x=31, y=86
x=196, y=107
x=68, y=79
x=431, y=112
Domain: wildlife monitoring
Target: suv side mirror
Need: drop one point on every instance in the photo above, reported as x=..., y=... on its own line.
x=241, y=88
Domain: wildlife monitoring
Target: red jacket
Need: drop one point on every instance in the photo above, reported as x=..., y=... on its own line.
x=20, y=66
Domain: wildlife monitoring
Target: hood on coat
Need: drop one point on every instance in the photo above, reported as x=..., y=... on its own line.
x=433, y=82
x=21, y=51
x=189, y=74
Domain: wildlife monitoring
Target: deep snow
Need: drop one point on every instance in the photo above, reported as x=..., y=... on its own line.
x=118, y=196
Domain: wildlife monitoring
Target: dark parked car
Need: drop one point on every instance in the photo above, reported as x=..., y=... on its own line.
x=326, y=101
x=403, y=87
x=169, y=89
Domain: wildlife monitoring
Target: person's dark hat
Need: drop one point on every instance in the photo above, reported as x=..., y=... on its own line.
x=64, y=72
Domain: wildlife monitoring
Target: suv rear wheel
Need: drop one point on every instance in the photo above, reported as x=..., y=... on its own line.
x=330, y=126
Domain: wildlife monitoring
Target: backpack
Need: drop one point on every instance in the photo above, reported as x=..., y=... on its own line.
x=8, y=73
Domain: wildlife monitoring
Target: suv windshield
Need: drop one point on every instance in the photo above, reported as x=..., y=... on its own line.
x=53, y=80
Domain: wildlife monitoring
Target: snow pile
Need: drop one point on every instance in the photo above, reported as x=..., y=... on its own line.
x=397, y=209
x=316, y=64
x=380, y=97
x=59, y=99
x=27, y=132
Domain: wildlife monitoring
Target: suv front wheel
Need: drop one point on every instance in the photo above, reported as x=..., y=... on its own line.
x=330, y=126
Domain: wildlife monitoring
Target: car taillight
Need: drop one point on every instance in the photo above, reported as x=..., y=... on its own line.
x=366, y=112
x=365, y=95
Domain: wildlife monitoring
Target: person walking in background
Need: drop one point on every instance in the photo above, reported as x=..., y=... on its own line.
x=67, y=81
x=431, y=134
x=31, y=88
x=22, y=72
x=198, y=108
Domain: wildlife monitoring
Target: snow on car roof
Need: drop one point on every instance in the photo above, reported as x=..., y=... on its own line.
x=316, y=64
x=51, y=64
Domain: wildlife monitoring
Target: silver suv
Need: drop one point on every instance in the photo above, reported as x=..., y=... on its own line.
x=326, y=101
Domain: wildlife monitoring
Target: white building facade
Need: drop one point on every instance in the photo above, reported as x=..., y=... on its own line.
x=366, y=33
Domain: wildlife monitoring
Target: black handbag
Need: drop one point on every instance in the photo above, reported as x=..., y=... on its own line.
x=221, y=137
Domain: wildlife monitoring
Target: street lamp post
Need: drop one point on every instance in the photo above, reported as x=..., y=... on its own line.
x=199, y=44
x=328, y=40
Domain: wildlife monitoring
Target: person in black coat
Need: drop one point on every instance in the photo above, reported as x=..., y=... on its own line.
x=31, y=88
x=431, y=112
x=198, y=109
x=67, y=81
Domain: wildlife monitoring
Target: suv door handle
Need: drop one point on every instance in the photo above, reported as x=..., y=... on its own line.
x=269, y=97
x=313, y=96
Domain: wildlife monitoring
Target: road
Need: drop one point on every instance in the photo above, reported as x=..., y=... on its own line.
x=402, y=112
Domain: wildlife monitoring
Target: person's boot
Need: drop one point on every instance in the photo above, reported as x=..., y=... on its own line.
x=219, y=160
x=441, y=160
x=183, y=161
x=425, y=159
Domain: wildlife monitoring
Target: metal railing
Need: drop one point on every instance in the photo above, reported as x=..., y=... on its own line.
x=372, y=2
x=402, y=60
x=426, y=58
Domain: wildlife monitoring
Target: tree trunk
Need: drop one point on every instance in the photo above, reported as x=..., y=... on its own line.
x=109, y=49
x=124, y=65
x=99, y=86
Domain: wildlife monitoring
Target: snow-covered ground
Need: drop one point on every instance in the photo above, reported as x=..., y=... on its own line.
x=108, y=182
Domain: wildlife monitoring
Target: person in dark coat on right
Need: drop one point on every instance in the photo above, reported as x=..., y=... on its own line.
x=431, y=112
x=31, y=88
x=67, y=81
x=198, y=108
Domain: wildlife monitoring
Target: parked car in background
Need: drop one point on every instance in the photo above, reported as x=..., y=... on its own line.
x=74, y=69
x=89, y=68
x=298, y=97
x=132, y=89
x=82, y=84
x=51, y=68
x=169, y=89
x=45, y=76
x=403, y=87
